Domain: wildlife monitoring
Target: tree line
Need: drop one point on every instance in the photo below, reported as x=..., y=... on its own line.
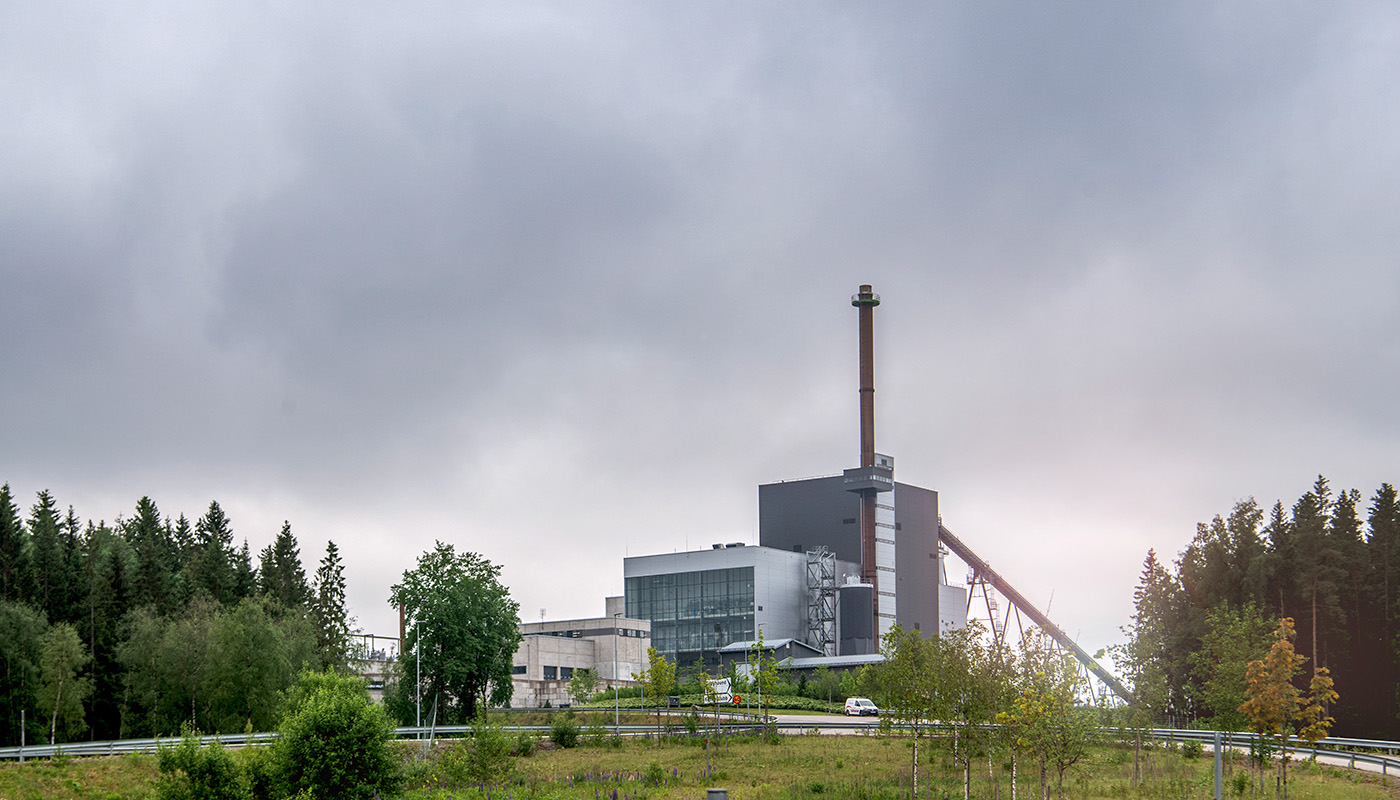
x=990, y=705
x=1201, y=621
x=142, y=626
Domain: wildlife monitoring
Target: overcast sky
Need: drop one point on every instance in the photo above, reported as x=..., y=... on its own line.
x=561, y=283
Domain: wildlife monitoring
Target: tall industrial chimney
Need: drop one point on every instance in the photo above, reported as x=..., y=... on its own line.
x=868, y=480
x=865, y=301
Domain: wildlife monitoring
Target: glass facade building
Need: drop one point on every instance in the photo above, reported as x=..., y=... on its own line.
x=694, y=613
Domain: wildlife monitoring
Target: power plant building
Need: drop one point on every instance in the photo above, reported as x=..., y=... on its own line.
x=803, y=581
x=841, y=559
x=700, y=601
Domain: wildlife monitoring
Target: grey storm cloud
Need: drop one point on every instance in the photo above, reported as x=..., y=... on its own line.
x=562, y=282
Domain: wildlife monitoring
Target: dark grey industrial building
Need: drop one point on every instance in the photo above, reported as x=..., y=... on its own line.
x=802, y=515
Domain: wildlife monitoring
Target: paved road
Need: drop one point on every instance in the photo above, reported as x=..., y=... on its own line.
x=826, y=721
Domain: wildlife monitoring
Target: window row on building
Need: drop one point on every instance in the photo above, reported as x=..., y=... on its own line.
x=691, y=595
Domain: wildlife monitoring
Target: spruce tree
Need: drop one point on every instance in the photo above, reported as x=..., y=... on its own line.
x=1248, y=553
x=182, y=539
x=1353, y=572
x=1381, y=644
x=109, y=601
x=214, y=563
x=47, y=590
x=281, y=575
x=1317, y=568
x=1383, y=547
x=245, y=578
x=333, y=624
x=14, y=561
x=1278, y=531
x=153, y=570
x=75, y=601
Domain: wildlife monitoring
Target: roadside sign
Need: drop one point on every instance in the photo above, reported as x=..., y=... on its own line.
x=717, y=691
x=738, y=699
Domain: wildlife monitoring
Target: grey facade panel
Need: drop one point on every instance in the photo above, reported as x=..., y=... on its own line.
x=916, y=551
x=798, y=516
x=857, y=624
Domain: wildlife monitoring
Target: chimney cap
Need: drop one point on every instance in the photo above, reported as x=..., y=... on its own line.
x=865, y=297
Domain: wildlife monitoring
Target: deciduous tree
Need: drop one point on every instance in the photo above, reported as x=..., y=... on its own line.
x=464, y=624
x=21, y=630
x=1272, y=699
x=61, y=690
x=582, y=685
x=1233, y=639
x=248, y=669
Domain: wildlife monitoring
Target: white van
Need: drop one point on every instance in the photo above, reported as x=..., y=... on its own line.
x=861, y=707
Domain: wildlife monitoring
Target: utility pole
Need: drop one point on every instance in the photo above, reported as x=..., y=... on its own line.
x=617, y=704
x=418, y=693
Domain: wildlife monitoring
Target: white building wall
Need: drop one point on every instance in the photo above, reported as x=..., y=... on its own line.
x=592, y=649
x=885, y=532
x=952, y=607
x=780, y=593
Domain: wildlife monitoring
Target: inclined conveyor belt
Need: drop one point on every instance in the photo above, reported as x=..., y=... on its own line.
x=1017, y=599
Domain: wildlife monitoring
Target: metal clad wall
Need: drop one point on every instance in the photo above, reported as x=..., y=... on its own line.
x=886, y=580
x=857, y=631
x=808, y=513
x=916, y=550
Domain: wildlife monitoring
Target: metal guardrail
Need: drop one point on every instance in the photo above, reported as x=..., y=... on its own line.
x=1354, y=752
x=1385, y=754
x=232, y=740
x=124, y=746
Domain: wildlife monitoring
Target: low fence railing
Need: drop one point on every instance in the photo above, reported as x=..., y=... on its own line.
x=1381, y=753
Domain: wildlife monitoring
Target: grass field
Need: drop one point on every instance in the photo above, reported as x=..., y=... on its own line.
x=805, y=767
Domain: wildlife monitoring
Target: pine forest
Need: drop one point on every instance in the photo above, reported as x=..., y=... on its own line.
x=1330, y=562
x=148, y=625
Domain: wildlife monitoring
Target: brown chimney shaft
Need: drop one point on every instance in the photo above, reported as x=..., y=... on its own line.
x=865, y=301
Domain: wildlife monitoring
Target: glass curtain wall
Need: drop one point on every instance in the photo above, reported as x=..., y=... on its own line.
x=693, y=614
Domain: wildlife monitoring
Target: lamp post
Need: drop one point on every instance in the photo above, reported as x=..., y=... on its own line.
x=617, y=704
x=418, y=689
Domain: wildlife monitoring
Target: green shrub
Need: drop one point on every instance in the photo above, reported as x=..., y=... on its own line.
x=191, y=771
x=564, y=732
x=1240, y=783
x=335, y=742
x=488, y=759
x=596, y=735
x=260, y=771
x=1191, y=748
x=525, y=743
